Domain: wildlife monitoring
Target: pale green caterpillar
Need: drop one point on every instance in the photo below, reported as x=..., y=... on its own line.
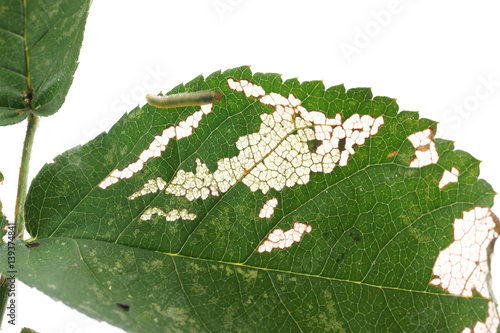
x=184, y=99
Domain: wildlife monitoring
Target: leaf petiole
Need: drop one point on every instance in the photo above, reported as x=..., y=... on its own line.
x=22, y=186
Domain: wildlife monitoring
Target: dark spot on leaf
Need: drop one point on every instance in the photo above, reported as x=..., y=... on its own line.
x=356, y=238
x=342, y=144
x=29, y=94
x=325, y=234
x=123, y=306
x=341, y=258
x=33, y=244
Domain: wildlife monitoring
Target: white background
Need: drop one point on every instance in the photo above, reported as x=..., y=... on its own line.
x=434, y=57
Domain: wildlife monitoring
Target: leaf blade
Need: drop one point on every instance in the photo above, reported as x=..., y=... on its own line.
x=40, y=45
x=374, y=227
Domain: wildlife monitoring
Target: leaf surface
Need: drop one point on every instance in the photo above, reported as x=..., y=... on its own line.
x=251, y=221
x=40, y=43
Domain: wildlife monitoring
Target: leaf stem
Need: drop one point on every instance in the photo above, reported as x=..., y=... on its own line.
x=22, y=186
x=4, y=296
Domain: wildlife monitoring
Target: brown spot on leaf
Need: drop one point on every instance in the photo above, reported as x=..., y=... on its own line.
x=394, y=153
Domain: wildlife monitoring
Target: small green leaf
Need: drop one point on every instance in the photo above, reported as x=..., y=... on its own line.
x=40, y=43
x=281, y=207
x=27, y=330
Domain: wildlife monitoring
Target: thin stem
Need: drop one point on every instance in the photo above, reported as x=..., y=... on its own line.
x=22, y=186
x=4, y=293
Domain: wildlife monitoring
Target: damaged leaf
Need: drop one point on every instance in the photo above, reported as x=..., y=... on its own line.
x=283, y=206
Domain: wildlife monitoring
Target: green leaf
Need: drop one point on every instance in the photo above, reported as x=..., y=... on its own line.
x=177, y=242
x=40, y=43
x=27, y=330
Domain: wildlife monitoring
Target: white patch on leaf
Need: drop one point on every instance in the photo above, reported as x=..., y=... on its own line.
x=250, y=89
x=490, y=325
x=152, y=186
x=449, y=177
x=173, y=215
x=463, y=266
x=279, y=239
x=193, y=185
x=158, y=145
x=267, y=210
x=425, y=149
x=278, y=155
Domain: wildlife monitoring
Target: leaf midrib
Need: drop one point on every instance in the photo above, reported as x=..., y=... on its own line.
x=26, y=50
x=173, y=256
